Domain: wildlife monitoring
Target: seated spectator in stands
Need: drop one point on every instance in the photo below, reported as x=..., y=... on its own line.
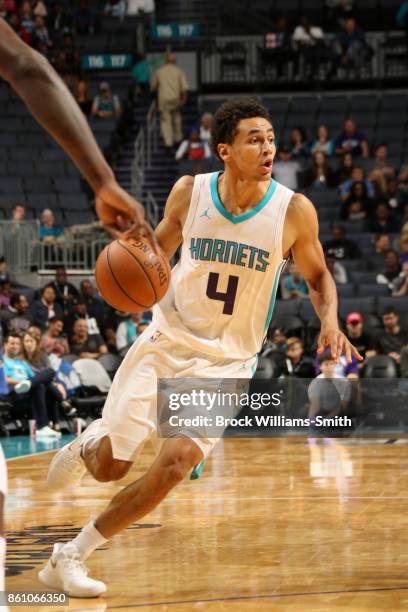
x=82, y=97
x=35, y=331
x=94, y=305
x=382, y=244
x=84, y=345
x=335, y=268
x=45, y=308
x=294, y=285
x=357, y=205
x=18, y=212
x=345, y=170
x=401, y=244
x=363, y=341
x=39, y=8
x=106, y=105
x=80, y=311
x=48, y=232
x=83, y=19
x=286, y=170
x=27, y=17
x=15, y=23
x=308, y=40
x=24, y=383
x=357, y=176
x=399, y=285
x=6, y=292
x=58, y=21
x=342, y=247
x=40, y=33
x=128, y=331
x=391, y=270
x=275, y=342
x=300, y=150
x=350, y=140
x=65, y=292
x=54, y=340
x=383, y=221
x=322, y=143
x=115, y=8
x=393, y=338
x=15, y=318
x=194, y=148
x=319, y=175
x=329, y=393
x=277, y=50
x=350, y=49
x=296, y=362
x=380, y=171
x=205, y=127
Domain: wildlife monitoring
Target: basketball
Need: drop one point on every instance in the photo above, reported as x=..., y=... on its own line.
x=130, y=276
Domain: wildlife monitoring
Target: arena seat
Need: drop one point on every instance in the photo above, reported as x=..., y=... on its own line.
x=361, y=304
x=375, y=290
x=380, y=366
x=399, y=303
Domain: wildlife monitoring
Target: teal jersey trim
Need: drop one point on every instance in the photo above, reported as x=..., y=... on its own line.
x=274, y=292
x=246, y=215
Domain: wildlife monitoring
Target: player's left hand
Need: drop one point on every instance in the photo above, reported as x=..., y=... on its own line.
x=331, y=337
x=121, y=215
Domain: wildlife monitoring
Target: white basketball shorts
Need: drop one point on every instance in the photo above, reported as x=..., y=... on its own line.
x=130, y=412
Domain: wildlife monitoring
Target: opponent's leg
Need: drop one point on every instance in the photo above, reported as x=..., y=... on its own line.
x=65, y=569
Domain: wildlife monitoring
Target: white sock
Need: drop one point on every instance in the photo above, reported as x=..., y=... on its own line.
x=87, y=541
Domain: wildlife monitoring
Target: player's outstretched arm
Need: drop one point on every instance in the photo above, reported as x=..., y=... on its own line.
x=50, y=102
x=301, y=226
x=169, y=232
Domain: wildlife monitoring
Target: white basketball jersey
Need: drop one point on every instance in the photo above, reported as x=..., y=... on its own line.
x=223, y=289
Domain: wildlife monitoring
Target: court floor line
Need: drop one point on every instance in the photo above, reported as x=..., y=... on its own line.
x=254, y=597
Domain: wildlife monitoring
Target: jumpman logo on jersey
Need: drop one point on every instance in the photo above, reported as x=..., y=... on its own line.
x=205, y=213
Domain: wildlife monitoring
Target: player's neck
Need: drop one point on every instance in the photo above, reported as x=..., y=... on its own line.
x=239, y=195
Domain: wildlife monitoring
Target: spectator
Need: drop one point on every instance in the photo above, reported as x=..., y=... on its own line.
x=40, y=33
x=309, y=42
x=322, y=143
x=18, y=213
x=94, y=305
x=393, y=338
x=329, y=393
x=384, y=221
x=137, y=7
x=6, y=292
x=357, y=205
x=84, y=345
x=194, y=148
x=382, y=244
x=106, y=105
x=205, y=127
x=275, y=343
x=401, y=243
x=54, y=340
x=380, y=171
x=391, y=270
x=115, y=8
x=296, y=362
x=65, y=292
x=82, y=97
x=26, y=17
x=278, y=49
x=294, y=285
x=35, y=331
x=342, y=247
x=45, y=308
x=58, y=22
x=39, y=9
x=48, y=232
x=350, y=140
x=335, y=268
x=15, y=318
x=286, y=170
x=399, y=285
x=83, y=20
x=141, y=71
x=15, y=23
x=300, y=149
x=319, y=175
x=24, y=384
x=350, y=48
x=170, y=83
x=358, y=337
x=357, y=176
x=345, y=170
x=128, y=331
x=80, y=311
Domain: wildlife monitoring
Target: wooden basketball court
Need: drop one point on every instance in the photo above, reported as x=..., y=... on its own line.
x=272, y=524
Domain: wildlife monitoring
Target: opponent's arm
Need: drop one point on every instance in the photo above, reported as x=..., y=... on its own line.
x=301, y=236
x=169, y=232
x=51, y=103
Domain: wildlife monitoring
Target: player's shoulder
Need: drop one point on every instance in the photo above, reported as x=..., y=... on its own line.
x=184, y=186
x=300, y=206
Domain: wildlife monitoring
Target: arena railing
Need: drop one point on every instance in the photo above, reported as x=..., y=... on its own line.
x=19, y=245
x=73, y=253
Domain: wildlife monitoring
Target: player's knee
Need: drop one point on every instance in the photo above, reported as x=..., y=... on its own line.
x=113, y=471
x=180, y=462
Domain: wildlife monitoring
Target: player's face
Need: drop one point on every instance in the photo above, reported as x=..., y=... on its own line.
x=253, y=149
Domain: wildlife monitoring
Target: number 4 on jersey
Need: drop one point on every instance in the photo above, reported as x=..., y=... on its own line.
x=228, y=297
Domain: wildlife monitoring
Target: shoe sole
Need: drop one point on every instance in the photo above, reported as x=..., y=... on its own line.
x=42, y=576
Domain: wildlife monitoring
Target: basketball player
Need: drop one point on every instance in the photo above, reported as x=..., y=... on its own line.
x=237, y=228
x=51, y=103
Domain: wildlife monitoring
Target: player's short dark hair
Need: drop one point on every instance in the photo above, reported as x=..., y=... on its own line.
x=225, y=122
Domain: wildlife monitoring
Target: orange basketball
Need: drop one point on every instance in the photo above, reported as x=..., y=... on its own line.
x=130, y=276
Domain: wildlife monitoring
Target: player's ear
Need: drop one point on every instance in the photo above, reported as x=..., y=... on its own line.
x=223, y=151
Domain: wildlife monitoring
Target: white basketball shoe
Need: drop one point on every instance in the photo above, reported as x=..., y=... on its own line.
x=66, y=572
x=67, y=467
